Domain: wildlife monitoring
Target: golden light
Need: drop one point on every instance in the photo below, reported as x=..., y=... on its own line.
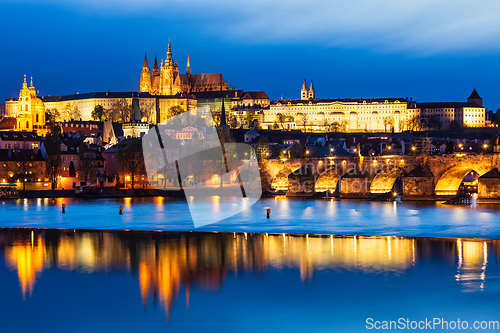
x=127, y=178
x=355, y=149
x=413, y=148
x=374, y=161
x=485, y=146
x=307, y=151
x=460, y=145
x=389, y=147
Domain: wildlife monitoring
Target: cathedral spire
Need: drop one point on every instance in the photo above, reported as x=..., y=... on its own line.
x=169, y=52
x=145, y=60
x=156, y=71
x=25, y=85
x=188, y=67
x=31, y=84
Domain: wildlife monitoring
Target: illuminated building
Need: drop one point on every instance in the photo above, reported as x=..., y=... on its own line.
x=372, y=114
x=346, y=115
x=459, y=114
x=135, y=128
x=29, y=110
x=84, y=104
x=167, y=80
x=186, y=102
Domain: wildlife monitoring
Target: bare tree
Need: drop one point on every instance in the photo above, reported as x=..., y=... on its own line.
x=131, y=160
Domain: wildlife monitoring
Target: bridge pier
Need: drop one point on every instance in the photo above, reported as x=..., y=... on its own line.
x=356, y=186
x=488, y=187
x=418, y=184
x=301, y=183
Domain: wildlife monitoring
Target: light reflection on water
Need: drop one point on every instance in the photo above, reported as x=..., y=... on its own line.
x=287, y=215
x=190, y=275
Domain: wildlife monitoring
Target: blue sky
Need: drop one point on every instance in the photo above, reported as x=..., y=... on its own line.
x=429, y=50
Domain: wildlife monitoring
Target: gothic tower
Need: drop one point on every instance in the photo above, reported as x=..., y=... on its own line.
x=155, y=78
x=304, y=92
x=311, y=91
x=145, y=85
x=188, y=67
x=475, y=98
x=168, y=74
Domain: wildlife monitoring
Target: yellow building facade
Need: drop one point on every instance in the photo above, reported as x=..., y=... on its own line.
x=166, y=103
x=351, y=115
x=370, y=115
x=28, y=109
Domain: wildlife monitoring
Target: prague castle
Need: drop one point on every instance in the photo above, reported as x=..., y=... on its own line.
x=369, y=114
x=167, y=80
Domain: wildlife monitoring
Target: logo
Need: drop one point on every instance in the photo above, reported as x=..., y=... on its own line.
x=219, y=178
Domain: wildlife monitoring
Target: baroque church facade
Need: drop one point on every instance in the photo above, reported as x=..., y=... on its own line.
x=30, y=110
x=166, y=79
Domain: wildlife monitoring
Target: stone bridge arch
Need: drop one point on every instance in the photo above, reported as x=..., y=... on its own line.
x=279, y=171
x=448, y=182
x=384, y=180
x=328, y=180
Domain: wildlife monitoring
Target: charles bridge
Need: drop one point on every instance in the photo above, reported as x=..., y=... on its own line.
x=423, y=177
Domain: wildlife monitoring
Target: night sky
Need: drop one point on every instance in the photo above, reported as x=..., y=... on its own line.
x=429, y=50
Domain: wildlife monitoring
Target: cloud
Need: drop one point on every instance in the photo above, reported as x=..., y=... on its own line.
x=420, y=27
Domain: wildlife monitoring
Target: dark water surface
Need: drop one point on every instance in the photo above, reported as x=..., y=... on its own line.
x=291, y=216
x=128, y=281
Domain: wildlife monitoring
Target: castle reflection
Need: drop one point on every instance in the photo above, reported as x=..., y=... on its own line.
x=166, y=263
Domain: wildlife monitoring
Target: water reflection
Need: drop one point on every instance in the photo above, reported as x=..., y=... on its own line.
x=168, y=263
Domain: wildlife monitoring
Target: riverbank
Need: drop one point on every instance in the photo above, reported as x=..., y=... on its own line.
x=108, y=192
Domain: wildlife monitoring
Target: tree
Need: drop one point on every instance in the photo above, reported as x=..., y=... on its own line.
x=53, y=155
x=335, y=127
x=280, y=119
x=71, y=112
x=249, y=115
x=53, y=115
x=174, y=111
x=119, y=112
x=413, y=124
x=130, y=159
x=87, y=169
x=232, y=121
x=98, y=113
x=388, y=122
x=72, y=170
x=434, y=122
x=302, y=119
x=23, y=168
